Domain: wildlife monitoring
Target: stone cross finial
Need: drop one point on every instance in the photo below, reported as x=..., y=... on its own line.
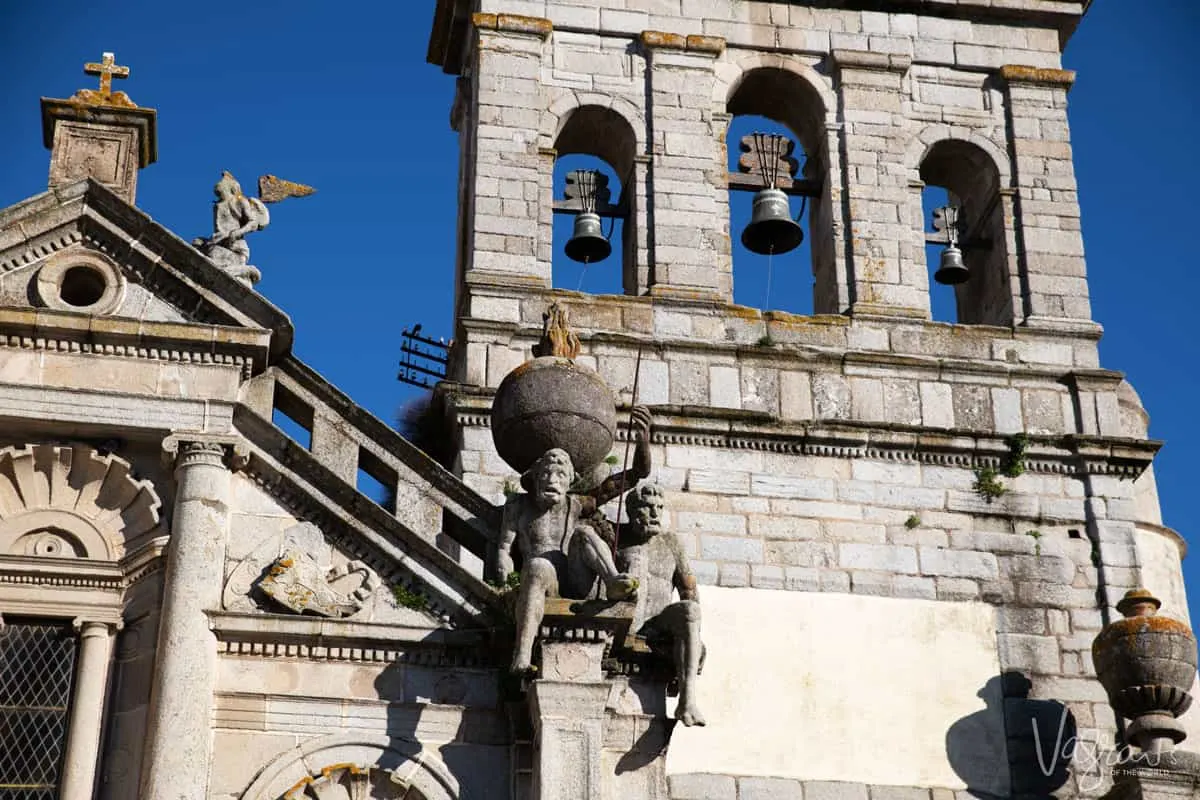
x=107, y=69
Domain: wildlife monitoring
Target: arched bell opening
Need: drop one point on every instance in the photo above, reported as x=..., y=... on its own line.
x=776, y=141
x=965, y=237
x=594, y=232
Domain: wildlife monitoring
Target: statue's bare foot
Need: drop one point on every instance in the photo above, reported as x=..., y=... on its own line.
x=688, y=714
x=621, y=587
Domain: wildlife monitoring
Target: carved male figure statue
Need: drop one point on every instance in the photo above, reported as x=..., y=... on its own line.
x=555, y=532
x=234, y=216
x=655, y=558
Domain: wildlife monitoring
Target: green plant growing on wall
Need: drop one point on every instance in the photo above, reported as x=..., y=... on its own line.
x=1014, y=464
x=409, y=598
x=988, y=484
x=912, y=522
x=509, y=584
x=987, y=479
x=1037, y=541
x=766, y=341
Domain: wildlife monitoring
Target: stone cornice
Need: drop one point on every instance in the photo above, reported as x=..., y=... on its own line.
x=188, y=343
x=749, y=430
x=274, y=635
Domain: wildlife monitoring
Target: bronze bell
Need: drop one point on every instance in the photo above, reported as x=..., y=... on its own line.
x=952, y=270
x=772, y=229
x=587, y=243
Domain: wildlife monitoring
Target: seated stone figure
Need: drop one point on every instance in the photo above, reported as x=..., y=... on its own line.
x=655, y=558
x=556, y=534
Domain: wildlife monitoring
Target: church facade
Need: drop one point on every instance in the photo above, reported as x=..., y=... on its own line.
x=893, y=542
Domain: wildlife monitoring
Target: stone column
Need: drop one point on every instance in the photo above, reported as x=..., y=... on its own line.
x=688, y=214
x=887, y=268
x=180, y=725
x=568, y=719
x=504, y=216
x=1053, y=292
x=87, y=708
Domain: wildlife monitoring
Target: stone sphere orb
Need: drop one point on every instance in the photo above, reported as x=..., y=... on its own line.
x=553, y=402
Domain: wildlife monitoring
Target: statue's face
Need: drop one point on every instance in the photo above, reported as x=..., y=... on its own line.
x=553, y=479
x=647, y=515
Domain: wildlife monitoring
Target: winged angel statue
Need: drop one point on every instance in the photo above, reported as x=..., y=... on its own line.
x=235, y=215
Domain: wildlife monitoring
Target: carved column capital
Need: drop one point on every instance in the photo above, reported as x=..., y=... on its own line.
x=89, y=627
x=191, y=449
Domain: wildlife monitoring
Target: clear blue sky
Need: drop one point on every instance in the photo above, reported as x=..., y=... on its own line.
x=338, y=95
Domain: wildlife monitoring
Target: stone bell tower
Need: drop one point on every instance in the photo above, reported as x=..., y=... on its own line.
x=969, y=501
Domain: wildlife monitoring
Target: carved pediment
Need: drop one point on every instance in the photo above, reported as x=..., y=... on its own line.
x=130, y=265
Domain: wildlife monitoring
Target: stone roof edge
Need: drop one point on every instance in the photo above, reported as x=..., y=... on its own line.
x=130, y=233
x=452, y=19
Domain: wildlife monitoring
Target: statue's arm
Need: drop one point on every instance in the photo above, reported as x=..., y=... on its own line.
x=614, y=485
x=251, y=221
x=508, y=536
x=684, y=579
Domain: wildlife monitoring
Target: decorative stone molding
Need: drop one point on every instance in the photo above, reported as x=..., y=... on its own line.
x=40, y=247
x=58, y=331
x=720, y=428
x=513, y=23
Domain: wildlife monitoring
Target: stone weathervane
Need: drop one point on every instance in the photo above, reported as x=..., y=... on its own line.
x=235, y=216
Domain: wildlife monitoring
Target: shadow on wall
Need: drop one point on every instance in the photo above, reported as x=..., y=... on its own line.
x=460, y=708
x=1036, y=734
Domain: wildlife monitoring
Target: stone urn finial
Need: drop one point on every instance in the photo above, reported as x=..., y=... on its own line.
x=1147, y=664
x=551, y=402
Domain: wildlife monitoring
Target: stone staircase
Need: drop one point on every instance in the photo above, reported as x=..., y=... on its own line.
x=316, y=432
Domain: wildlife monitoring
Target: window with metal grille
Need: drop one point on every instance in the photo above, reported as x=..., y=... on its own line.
x=37, y=665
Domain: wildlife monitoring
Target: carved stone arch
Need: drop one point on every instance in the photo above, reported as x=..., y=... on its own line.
x=731, y=75
x=612, y=129
x=355, y=762
x=69, y=500
x=931, y=135
x=570, y=101
x=977, y=174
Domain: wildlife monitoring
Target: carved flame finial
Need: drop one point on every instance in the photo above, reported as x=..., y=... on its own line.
x=557, y=337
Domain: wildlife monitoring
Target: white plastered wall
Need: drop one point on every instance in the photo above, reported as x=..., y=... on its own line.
x=838, y=687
